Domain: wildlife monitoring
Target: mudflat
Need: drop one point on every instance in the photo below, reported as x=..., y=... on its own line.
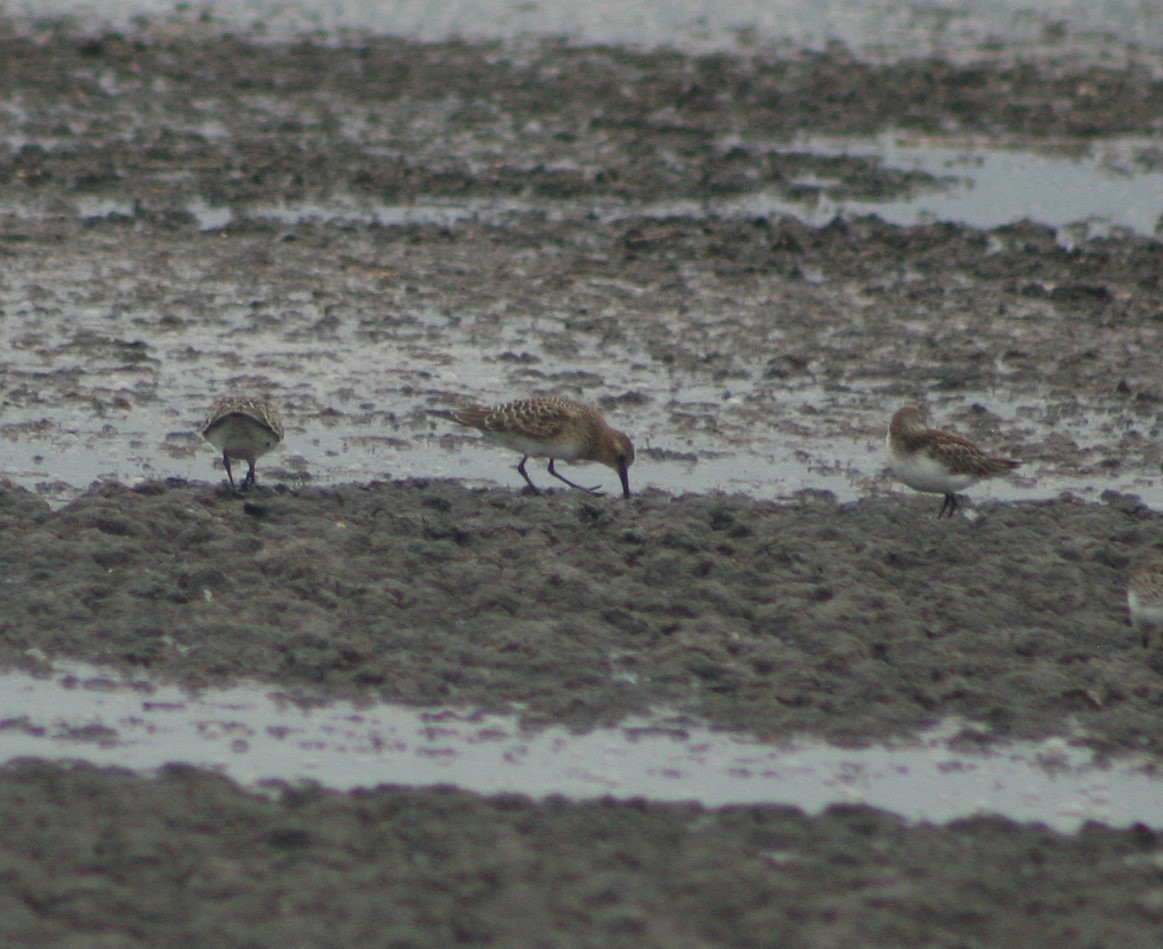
x=145, y=268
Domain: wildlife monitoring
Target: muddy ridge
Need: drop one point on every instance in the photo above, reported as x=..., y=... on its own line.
x=187, y=858
x=852, y=621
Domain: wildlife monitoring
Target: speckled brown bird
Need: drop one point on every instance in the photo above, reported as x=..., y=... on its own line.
x=1145, y=597
x=553, y=428
x=928, y=459
x=243, y=429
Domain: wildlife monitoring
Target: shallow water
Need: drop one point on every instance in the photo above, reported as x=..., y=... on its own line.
x=882, y=28
x=133, y=410
x=131, y=389
x=253, y=735
x=59, y=456
x=1082, y=193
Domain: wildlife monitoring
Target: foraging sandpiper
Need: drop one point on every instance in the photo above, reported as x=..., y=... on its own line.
x=242, y=428
x=553, y=428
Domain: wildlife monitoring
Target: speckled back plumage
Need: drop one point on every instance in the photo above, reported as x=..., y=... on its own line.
x=550, y=427
x=960, y=456
x=547, y=417
x=243, y=428
x=258, y=409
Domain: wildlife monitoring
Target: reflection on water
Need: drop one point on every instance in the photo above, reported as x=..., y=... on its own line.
x=252, y=735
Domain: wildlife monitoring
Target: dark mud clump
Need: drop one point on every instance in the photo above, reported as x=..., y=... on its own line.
x=854, y=621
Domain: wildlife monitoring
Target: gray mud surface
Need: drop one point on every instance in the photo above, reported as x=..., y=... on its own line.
x=852, y=620
x=188, y=858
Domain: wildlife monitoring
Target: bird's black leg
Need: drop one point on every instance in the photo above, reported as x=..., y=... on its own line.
x=949, y=508
x=525, y=475
x=596, y=489
x=249, y=479
x=229, y=473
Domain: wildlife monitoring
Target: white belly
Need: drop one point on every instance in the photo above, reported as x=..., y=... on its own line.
x=922, y=473
x=242, y=438
x=535, y=448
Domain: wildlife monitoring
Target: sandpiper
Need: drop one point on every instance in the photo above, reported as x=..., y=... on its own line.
x=553, y=428
x=927, y=459
x=243, y=429
x=1145, y=597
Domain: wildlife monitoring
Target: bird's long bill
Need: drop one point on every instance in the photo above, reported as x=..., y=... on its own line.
x=625, y=476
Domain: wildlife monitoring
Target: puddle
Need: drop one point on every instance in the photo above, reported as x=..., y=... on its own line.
x=1082, y=194
x=251, y=735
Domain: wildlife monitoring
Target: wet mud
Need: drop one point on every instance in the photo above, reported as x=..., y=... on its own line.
x=188, y=858
x=155, y=251
x=854, y=621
